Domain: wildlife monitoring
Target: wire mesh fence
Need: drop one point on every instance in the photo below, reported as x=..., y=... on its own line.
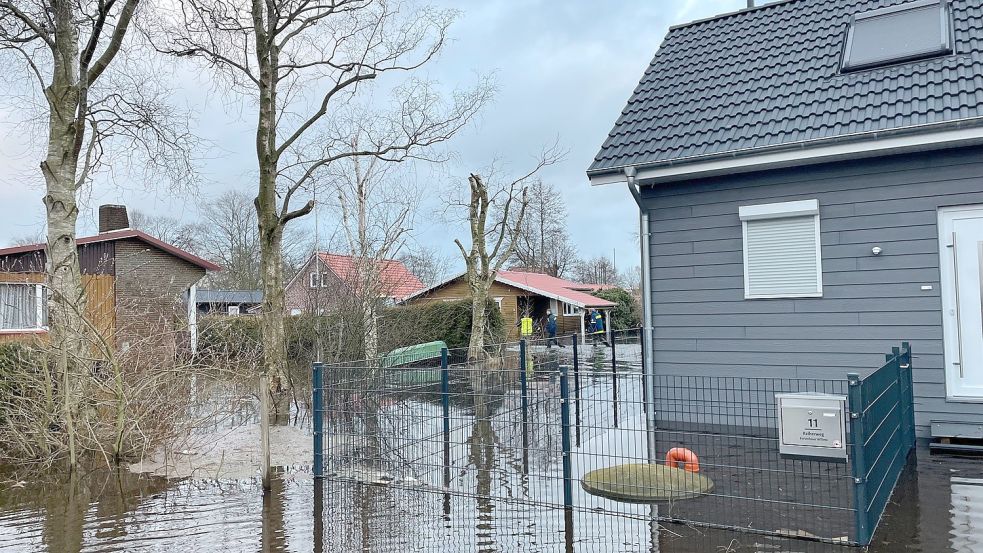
x=549, y=446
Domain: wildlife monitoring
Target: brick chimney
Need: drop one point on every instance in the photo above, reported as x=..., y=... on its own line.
x=112, y=217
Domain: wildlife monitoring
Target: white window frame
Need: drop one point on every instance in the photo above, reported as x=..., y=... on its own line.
x=570, y=310
x=39, y=304
x=233, y=310
x=315, y=279
x=782, y=210
x=498, y=302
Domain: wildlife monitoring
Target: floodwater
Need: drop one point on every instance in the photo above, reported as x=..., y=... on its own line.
x=937, y=508
x=494, y=505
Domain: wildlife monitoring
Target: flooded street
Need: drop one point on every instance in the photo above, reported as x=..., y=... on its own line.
x=499, y=500
x=937, y=508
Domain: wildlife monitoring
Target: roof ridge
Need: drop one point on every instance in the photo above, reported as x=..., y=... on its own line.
x=729, y=14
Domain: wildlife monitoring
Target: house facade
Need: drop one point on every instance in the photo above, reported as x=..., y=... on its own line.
x=327, y=281
x=520, y=293
x=135, y=285
x=810, y=181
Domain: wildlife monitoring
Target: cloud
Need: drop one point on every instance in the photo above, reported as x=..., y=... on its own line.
x=564, y=71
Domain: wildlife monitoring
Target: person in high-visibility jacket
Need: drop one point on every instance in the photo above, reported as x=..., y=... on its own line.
x=525, y=326
x=597, y=326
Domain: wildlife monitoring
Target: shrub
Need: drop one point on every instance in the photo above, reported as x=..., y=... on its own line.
x=428, y=322
x=627, y=313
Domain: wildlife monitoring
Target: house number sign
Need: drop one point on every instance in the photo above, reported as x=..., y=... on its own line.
x=812, y=425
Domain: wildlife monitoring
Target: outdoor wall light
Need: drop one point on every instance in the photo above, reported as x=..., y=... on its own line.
x=876, y=250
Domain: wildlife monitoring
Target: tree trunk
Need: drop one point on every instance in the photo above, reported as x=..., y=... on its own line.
x=479, y=302
x=370, y=325
x=66, y=300
x=273, y=330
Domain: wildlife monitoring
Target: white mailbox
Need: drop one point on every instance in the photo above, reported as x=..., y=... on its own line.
x=812, y=425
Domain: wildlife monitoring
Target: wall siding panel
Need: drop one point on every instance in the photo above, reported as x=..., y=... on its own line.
x=870, y=303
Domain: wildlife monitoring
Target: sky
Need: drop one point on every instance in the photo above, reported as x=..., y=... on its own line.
x=563, y=71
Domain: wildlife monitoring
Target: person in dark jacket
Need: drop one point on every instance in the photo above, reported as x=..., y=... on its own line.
x=551, y=330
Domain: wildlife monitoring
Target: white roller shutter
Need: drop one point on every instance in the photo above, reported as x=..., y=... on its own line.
x=782, y=251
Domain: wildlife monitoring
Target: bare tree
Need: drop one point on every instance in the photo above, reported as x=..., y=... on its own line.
x=377, y=206
x=495, y=220
x=66, y=49
x=597, y=270
x=428, y=264
x=167, y=229
x=304, y=62
x=543, y=245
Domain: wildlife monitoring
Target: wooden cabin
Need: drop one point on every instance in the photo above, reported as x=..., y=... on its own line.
x=520, y=293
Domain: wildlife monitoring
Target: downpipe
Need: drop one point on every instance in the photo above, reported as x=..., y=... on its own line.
x=648, y=367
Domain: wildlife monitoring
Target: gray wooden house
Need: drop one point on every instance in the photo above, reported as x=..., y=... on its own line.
x=810, y=182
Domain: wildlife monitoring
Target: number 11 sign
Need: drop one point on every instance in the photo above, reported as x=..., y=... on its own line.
x=812, y=425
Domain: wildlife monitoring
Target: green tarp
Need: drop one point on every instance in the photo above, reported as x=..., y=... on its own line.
x=413, y=354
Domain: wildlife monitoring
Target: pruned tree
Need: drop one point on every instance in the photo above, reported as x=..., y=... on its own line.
x=66, y=51
x=495, y=218
x=304, y=63
x=544, y=244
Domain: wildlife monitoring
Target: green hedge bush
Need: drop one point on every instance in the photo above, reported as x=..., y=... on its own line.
x=627, y=314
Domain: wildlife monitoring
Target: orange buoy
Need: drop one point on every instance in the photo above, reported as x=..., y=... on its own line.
x=679, y=455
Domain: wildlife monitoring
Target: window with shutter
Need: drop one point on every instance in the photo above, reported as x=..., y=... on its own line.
x=782, y=257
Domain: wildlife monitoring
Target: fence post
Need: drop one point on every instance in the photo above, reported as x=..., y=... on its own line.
x=614, y=376
x=859, y=463
x=445, y=402
x=576, y=385
x=902, y=401
x=567, y=450
x=524, y=398
x=318, y=399
x=909, y=379
x=264, y=429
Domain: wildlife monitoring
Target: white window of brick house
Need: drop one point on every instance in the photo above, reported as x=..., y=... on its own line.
x=782, y=250
x=233, y=310
x=23, y=307
x=315, y=280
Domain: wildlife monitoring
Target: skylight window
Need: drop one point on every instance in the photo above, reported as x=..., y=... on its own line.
x=906, y=32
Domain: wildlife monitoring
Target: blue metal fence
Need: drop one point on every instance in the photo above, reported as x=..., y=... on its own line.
x=521, y=429
x=882, y=428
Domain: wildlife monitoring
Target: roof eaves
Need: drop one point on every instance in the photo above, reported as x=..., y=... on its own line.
x=431, y=288
x=607, y=175
x=123, y=234
x=553, y=295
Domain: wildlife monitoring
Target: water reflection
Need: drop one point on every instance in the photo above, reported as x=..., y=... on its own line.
x=937, y=508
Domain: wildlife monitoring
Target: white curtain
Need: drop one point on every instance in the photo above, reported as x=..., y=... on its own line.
x=18, y=306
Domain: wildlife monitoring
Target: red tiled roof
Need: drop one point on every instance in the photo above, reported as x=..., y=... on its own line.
x=395, y=279
x=565, y=290
x=122, y=235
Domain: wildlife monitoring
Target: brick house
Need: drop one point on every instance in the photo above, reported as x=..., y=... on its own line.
x=135, y=285
x=328, y=280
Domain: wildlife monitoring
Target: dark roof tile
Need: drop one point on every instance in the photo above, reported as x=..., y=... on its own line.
x=770, y=76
